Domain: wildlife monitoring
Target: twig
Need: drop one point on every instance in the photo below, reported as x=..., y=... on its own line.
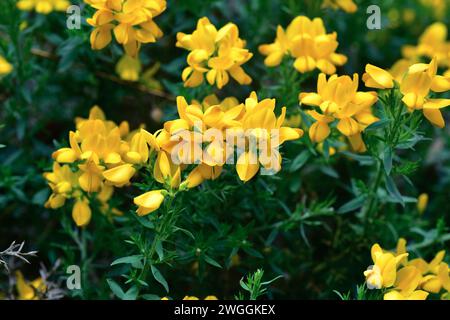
x=15, y=250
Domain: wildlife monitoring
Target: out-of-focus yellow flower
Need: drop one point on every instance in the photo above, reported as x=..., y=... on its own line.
x=338, y=99
x=43, y=6
x=399, y=69
x=439, y=7
x=195, y=298
x=293, y=121
x=129, y=68
x=432, y=44
x=422, y=202
x=308, y=43
x=5, y=67
x=216, y=54
x=131, y=21
x=419, y=80
x=377, y=78
x=347, y=5
x=149, y=202
x=29, y=290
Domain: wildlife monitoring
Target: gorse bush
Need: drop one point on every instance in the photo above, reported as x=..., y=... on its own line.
x=224, y=149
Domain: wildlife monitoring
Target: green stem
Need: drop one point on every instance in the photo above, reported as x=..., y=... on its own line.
x=161, y=234
x=368, y=212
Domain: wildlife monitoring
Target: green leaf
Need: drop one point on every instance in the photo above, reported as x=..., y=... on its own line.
x=393, y=190
x=145, y=222
x=159, y=250
x=363, y=160
x=378, y=125
x=131, y=294
x=387, y=160
x=115, y=288
x=211, y=261
x=159, y=277
x=352, y=205
x=150, y=297
x=128, y=260
x=299, y=161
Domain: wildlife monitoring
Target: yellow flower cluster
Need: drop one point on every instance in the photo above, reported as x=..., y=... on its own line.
x=43, y=6
x=308, y=43
x=338, y=99
x=101, y=156
x=216, y=54
x=346, y=5
x=5, y=67
x=415, y=86
x=246, y=121
x=432, y=44
x=131, y=21
x=407, y=279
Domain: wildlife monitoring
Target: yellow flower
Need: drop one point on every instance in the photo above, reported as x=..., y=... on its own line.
x=195, y=298
x=165, y=171
x=432, y=44
x=140, y=147
x=100, y=155
x=338, y=99
x=422, y=202
x=416, y=86
x=131, y=21
x=149, y=201
x=377, y=78
x=347, y=5
x=62, y=181
x=120, y=175
x=29, y=290
x=383, y=273
x=261, y=122
x=81, y=213
x=5, y=67
x=43, y=6
x=308, y=43
x=406, y=283
x=129, y=68
x=216, y=54
x=439, y=7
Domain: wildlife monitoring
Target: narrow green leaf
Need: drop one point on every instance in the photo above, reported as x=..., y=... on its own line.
x=211, y=261
x=128, y=260
x=115, y=288
x=299, y=161
x=159, y=277
x=352, y=205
